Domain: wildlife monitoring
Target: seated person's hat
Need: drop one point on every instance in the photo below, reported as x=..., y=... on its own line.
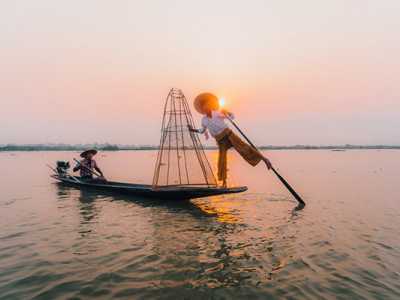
x=84, y=153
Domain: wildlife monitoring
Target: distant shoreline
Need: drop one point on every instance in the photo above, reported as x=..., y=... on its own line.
x=40, y=147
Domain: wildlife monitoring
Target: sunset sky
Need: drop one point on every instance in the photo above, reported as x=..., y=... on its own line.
x=293, y=72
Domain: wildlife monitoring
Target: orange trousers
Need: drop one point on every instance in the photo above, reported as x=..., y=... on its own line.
x=251, y=155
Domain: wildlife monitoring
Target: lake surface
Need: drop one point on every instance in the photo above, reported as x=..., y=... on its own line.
x=59, y=242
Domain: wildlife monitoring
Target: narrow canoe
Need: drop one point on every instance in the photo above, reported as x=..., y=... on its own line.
x=144, y=190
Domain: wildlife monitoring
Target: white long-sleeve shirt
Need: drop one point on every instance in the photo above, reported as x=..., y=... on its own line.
x=215, y=124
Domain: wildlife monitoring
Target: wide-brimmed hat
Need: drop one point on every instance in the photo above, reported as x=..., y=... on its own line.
x=202, y=98
x=84, y=153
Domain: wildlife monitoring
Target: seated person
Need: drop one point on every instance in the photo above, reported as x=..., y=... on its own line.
x=86, y=167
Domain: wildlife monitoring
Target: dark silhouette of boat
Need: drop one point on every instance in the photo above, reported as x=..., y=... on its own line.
x=144, y=190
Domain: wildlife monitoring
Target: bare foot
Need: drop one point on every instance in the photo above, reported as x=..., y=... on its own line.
x=267, y=163
x=223, y=186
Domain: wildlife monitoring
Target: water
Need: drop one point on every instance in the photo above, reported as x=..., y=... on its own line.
x=58, y=242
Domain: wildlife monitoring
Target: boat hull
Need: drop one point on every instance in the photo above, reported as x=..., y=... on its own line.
x=143, y=190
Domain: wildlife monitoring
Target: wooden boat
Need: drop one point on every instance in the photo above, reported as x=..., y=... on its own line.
x=143, y=190
x=181, y=159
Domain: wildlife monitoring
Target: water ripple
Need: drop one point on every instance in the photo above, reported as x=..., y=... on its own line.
x=58, y=242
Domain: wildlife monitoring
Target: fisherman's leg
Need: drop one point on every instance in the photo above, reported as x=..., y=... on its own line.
x=86, y=179
x=223, y=161
x=249, y=154
x=99, y=180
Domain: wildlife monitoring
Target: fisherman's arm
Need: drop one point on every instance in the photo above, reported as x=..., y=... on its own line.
x=200, y=130
x=98, y=170
x=77, y=167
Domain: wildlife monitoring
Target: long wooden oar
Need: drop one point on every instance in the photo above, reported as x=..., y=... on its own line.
x=93, y=172
x=276, y=173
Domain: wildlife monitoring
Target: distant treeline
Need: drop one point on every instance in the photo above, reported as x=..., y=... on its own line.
x=346, y=147
x=63, y=147
x=109, y=147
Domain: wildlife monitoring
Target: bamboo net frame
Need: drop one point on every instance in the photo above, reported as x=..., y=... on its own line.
x=181, y=161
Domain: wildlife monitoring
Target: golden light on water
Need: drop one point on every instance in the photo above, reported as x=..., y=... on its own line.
x=221, y=209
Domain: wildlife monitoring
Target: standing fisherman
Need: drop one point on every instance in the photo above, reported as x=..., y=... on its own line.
x=87, y=164
x=207, y=104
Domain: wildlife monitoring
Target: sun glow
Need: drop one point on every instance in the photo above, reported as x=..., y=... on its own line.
x=221, y=102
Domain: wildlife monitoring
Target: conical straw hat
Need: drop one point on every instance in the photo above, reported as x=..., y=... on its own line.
x=84, y=153
x=202, y=98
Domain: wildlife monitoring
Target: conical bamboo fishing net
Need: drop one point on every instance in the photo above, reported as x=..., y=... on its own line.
x=181, y=161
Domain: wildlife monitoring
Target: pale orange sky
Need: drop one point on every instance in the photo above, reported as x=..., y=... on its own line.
x=293, y=72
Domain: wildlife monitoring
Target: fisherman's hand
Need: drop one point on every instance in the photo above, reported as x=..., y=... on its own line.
x=268, y=163
x=190, y=128
x=224, y=111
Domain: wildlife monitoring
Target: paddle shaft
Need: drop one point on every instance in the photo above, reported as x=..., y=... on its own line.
x=71, y=176
x=52, y=168
x=276, y=173
x=65, y=172
x=93, y=172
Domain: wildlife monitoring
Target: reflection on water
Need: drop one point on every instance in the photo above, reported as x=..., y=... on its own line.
x=62, y=242
x=87, y=208
x=222, y=211
x=196, y=248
